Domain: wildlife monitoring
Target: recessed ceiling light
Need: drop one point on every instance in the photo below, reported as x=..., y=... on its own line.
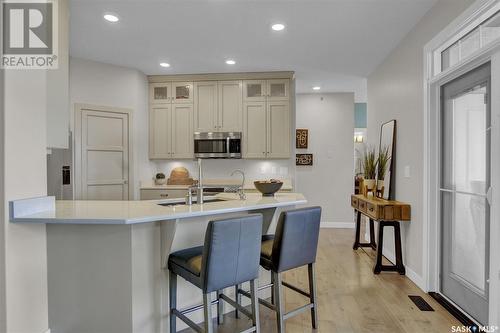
x=111, y=18
x=278, y=27
x=317, y=88
x=164, y=64
x=230, y=62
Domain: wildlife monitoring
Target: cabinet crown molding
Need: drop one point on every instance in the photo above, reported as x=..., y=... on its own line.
x=222, y=76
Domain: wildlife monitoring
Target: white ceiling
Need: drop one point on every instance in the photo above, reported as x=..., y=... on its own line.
x=325, y=42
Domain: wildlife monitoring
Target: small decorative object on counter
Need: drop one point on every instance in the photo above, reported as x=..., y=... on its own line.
x=383, y=162
x=160, y=179
x=370, y=170
x=268, y=187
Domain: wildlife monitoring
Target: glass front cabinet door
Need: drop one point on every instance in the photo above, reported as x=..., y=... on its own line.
x=278, y=90
x=160, y=93
x=182, y=92
x=254, y=90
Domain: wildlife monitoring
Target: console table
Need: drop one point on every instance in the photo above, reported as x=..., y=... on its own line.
x=388, y=213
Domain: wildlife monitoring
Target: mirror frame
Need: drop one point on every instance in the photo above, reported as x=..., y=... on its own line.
x=392, y=164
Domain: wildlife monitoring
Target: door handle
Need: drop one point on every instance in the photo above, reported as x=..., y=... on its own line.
x=489, y=195
x=125, y=182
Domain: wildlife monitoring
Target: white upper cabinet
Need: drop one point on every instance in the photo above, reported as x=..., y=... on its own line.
x=266, y=119
x=182, y=131
x=256, y=104
x=278, y=90
x=205, y=106
x=278, y=129
x=230, y=115
x=255, y=130
x=159, y=131
x=160, y=93
x=182, y=92
x=254, y=90
x=171, y=131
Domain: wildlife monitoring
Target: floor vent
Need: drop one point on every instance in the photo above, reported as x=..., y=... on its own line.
x=421, y=303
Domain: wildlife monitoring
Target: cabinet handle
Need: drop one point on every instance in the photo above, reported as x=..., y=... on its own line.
x=164, y=195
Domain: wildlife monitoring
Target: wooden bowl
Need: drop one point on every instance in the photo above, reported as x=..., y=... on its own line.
x=268, y=188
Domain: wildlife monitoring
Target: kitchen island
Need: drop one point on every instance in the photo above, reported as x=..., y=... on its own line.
x=107, y=259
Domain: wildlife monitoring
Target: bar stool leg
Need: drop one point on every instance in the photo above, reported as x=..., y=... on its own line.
x=255, y=306
x=220, y=308
x=272, y=288
x=207, y=307
x=237, y=298
x=172, y=291
x=312, y=293
x=279, y=302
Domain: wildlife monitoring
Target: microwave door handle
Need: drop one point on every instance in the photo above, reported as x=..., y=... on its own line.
x=228, y=146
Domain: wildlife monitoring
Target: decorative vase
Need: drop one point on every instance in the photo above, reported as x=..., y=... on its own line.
x=380, y=184
x=369, y=185
x=160, y=181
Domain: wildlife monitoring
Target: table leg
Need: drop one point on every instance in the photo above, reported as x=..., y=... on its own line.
x=355, y=246
x=378, y=266
x=373, y=244
x=399, y=257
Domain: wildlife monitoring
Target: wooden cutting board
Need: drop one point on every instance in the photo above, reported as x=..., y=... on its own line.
x=180, y=176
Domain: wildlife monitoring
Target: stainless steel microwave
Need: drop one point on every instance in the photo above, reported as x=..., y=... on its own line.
x=217, y=144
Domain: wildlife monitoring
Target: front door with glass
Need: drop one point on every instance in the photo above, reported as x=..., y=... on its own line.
x=465, y=186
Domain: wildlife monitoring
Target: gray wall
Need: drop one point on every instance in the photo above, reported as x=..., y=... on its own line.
x=329, y=182
x=395, y=91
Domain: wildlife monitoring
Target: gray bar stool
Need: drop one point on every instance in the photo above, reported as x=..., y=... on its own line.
x=294, y=245
x=230, y=256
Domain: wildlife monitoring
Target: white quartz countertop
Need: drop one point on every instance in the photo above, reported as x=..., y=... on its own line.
x=132, y=212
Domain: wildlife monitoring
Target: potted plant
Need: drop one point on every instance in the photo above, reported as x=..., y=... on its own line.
x=370, y=168
x=160, y=179
x=383, y=163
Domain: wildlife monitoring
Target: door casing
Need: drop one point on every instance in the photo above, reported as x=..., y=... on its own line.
x=432, y=153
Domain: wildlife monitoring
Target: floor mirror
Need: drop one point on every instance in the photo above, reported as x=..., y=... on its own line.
x=387, y=150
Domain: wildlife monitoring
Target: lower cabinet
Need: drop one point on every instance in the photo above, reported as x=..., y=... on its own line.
x=171, y=131
x=159, y=194
x=266, y=132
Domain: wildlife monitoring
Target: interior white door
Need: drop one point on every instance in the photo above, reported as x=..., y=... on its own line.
x=104, y=155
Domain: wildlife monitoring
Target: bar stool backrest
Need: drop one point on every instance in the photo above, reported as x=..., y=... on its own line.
x=231, y=252
x=296, y=238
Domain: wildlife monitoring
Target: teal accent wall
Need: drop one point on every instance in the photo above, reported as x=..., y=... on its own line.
x=360, y=115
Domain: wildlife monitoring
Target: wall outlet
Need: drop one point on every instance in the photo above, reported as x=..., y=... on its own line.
x=407, y=171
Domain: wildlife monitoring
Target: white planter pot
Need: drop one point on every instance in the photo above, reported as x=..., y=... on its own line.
x=370, y=184
x=160, y=181
x=380, y=184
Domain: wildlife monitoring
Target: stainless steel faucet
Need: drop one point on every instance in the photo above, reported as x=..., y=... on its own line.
x=199, y=189
x=241, y=192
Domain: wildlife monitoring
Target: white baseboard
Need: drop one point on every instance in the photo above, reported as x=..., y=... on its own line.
x=410, y=274
x=338, y=225
x=47, y=331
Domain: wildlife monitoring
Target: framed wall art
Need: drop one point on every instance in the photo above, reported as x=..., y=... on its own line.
x=304, y=159
x=301, y=138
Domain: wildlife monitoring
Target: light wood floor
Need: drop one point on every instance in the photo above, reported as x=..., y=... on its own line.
x=351, y=297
